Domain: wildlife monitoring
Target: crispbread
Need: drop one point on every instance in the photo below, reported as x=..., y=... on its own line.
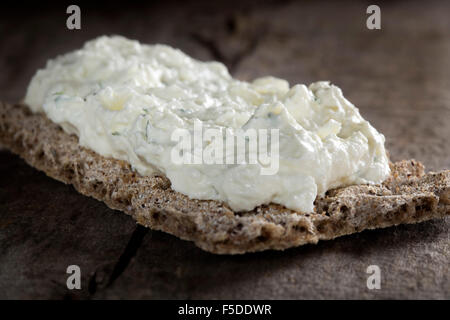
x=407, y=196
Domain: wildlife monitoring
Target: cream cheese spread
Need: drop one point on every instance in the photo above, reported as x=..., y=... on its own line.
x=124, y=99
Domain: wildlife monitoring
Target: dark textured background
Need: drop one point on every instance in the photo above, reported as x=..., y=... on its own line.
x=399, y=77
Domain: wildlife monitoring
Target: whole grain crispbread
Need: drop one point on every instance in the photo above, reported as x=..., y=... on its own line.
x=407, y=196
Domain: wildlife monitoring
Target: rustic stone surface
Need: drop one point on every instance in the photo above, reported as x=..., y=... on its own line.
x=399, y=77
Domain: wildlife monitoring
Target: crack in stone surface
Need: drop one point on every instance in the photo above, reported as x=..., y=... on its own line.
x=240, y=36
x=105, y=276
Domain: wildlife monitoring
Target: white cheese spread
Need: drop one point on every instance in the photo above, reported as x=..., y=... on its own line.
x=124, y=100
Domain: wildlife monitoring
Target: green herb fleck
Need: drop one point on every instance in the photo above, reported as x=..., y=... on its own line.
x=115, y=133
x=146, y=130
